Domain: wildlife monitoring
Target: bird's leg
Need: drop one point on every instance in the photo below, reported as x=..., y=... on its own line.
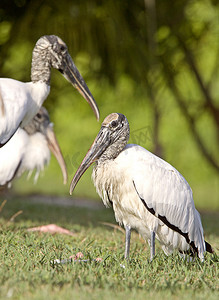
x=127, y=240
x=152, y=245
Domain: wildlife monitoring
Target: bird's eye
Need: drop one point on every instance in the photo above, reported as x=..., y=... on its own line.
x=62, y=48
x=39, y=116
x=114, y=124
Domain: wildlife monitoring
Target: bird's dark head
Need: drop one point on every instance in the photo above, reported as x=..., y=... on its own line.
x=115, y=130
x=41, y=124
x=57, y=49
x=110, y=141
x=51, y=51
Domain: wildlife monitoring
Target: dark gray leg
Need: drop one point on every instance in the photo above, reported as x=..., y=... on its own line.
x=127, y=240
x=152, y=244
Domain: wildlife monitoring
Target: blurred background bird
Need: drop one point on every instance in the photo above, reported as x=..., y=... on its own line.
x=29, y=150
x=20, y=101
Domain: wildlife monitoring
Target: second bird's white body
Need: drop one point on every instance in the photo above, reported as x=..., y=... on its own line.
x=22, y=153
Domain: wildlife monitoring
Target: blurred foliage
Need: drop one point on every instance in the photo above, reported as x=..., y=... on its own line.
x=155, y=61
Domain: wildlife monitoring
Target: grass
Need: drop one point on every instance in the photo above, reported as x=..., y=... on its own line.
x=26, y=270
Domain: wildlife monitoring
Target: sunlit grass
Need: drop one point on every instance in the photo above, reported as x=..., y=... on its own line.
x=27, y=271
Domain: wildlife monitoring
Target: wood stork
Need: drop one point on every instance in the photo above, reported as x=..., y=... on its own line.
x=29, y=149
x=146, y=193
x=19, y=101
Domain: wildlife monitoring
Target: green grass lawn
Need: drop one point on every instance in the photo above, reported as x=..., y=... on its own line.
x=26, y=271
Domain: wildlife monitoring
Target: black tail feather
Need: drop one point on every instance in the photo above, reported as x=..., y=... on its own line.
x=208, y=247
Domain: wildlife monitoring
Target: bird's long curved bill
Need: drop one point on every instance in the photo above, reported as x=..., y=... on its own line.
x=55, y=149
x=72, y=74
x=99, y=145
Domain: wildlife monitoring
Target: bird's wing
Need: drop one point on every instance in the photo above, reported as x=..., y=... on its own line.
x=13, y=104
x=166, y=194
x=11, y=156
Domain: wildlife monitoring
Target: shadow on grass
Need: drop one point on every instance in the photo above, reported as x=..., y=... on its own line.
x=41, y=210
x=60, y=212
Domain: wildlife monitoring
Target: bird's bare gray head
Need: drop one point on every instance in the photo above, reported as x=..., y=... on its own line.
x=115, y=132
x=57, y=51
x=41, y=124
x=51, y=51
x=110, y=141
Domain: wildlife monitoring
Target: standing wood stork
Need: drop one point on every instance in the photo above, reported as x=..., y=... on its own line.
x=29, y=149
x=19, y=101
x=146, y=193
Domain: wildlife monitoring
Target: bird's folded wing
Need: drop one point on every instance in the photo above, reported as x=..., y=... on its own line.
x=167, y=195
x=11, y=156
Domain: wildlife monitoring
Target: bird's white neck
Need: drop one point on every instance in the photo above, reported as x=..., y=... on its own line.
x=39, y=91
x=41, y=65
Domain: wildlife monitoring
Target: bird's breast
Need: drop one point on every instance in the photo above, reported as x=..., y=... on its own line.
x=37, y=154
x=115, y=186
x=105, y=182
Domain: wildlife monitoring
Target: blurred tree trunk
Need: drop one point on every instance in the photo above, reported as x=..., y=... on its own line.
x=190, y=119
x=150, y=6
x=208, y=101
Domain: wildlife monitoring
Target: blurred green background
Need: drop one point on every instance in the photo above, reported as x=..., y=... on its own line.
x=157, y=62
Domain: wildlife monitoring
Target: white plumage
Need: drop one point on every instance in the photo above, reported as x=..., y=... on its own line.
x=11, y=156
x=29, y=150
x=20, y=101
x=146, y=193
x=37, y=155
x=136, y=176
